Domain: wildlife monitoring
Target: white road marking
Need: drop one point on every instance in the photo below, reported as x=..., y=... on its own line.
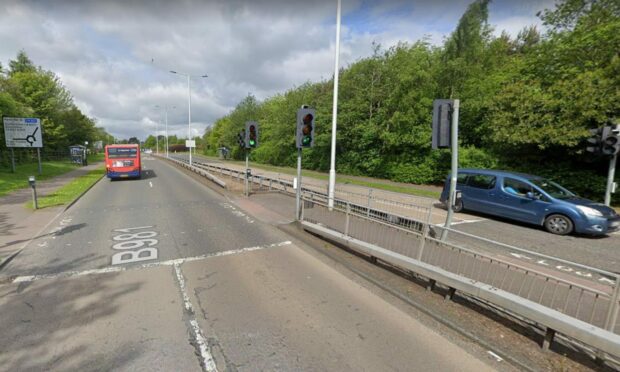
x=237, y=212
x=150, y=183
x=116, y=269
x=205, y=354
x=461, y=222
x=497, y=357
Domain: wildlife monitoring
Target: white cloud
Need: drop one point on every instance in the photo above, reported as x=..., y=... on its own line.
x=103, y=50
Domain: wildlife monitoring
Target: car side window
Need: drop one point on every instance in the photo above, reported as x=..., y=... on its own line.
x=519, y=188
x=461, y=178
x=482, y=181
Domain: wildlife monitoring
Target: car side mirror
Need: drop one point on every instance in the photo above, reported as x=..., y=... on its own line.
x=530, y=195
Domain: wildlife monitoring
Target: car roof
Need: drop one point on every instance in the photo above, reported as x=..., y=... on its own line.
x=502, y=173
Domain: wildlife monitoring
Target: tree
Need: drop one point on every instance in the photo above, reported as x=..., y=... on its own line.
x=21, y=64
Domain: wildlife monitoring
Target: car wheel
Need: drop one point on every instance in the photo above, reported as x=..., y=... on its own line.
x=558, y=224
x=458, y=206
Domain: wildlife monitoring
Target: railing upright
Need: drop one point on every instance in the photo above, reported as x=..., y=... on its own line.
x=612, y=314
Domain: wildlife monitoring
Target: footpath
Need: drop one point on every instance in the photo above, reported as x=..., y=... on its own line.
x=20, y=224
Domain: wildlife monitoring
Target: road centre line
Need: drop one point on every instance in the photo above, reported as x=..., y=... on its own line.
x=151, y=184
x=115, y=269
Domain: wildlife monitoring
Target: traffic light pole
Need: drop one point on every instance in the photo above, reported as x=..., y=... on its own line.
x=610, y=179
x=247, y=168
x=454, y=141
x=298, y=190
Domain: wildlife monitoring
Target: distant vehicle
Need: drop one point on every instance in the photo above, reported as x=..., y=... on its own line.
x=123, y=161
x=148, y=151
x=531, y=199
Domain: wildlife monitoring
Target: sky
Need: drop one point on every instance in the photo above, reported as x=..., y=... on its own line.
x=115, y=57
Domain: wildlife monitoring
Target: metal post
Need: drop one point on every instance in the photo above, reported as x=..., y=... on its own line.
x=612, y=313
x=166, y=111
x=610, y=179
x=369, y=198
x=298, y=191
x=247, y=168
x=189, y=117
x=332, y=168
x=32, y=182
x=425, y=230
x=157, y=134
x=39, y=158
x=12, y=160
x=347, y=221
x=454, y=139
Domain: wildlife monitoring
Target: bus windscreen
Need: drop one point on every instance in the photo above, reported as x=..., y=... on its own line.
x=122, y=152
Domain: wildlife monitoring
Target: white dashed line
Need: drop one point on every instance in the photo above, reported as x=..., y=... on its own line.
x=497, y=357
x=150, y=183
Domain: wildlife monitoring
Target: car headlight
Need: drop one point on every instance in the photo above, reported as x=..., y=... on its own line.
x=589, y=211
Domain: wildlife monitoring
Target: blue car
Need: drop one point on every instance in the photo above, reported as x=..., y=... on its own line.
x=530, y=199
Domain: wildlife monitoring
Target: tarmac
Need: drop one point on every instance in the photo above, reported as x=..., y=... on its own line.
x=20, y=224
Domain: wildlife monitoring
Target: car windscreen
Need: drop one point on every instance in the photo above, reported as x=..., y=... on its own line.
x=122, y=152
x=552, y=188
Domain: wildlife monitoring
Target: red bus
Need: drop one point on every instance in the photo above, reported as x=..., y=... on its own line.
x=123, y=161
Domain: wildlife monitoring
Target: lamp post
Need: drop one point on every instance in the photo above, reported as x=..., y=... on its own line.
x=332, y=166
x=157, y=135
x=189, y=107
x=166, y=107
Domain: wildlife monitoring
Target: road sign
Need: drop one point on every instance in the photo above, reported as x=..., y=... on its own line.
x=190, y=143
x=22, y=132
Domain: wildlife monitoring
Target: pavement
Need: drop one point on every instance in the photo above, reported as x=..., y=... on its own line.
x=19, y=224
x=163, y=273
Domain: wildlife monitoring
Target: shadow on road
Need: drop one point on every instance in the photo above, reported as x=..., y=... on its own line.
x=43, y=324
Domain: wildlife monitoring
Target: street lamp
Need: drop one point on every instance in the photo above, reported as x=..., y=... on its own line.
x=332, y=166
x=166, y=116
x=189, y=106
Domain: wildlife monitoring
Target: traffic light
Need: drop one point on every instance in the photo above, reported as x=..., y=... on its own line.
x=442, y=122
x=241, y=138
x=251, y=134
x=305, y=127
x=594, y=142
x=610, y=140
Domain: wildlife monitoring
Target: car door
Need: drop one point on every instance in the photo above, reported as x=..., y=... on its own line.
x=517, y=205
x=476, y=195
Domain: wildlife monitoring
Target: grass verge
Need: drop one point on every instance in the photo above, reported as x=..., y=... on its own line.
x=69, y=192
x=13, y=181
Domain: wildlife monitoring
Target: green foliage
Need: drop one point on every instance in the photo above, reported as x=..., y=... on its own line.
x=526, y=103
x=31, y=91
x=10, y=181
x=70, y=191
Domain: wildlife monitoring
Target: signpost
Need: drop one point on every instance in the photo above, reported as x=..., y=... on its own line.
x=25, y=133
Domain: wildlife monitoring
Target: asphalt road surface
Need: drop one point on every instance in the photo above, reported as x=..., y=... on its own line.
x=163, y=273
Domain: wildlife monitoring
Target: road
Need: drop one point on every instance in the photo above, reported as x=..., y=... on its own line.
x=163, y=273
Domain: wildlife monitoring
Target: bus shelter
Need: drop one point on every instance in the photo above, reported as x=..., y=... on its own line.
x=78, y=154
